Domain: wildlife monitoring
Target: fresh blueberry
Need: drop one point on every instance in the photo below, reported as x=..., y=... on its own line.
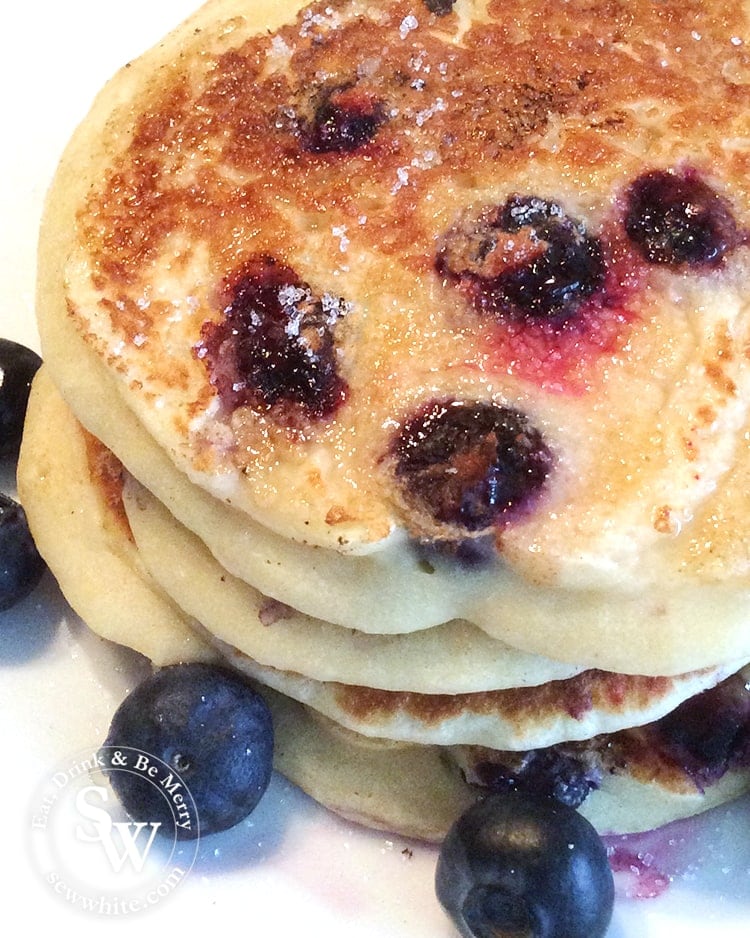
x=18, y=365
x=212, y=728
x=21, y=567
x=516, y=864
x=471, y=464
x=526, y=260
x=275, y=345
x=677, y=218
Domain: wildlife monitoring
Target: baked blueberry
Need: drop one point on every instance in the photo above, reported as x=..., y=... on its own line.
x=212, y=728
x=526, y=260
x=516, y=864
x=440, y=7
x=708, y=734
x=18, y=365
x=21, y=567
x=561, y=772
x=345, y=119
x=274, y=346
x=471, y=464
x=676, y=218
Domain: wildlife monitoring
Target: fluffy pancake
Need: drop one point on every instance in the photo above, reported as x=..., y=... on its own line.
x=71, y=488
x=587, y=705
x=452, y=658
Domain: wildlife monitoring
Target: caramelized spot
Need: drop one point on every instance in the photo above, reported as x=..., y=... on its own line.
x=337, y=514
x=663, y=521
x=575, y=696
x=719, y=379
x=706, y=415
x=107, y=475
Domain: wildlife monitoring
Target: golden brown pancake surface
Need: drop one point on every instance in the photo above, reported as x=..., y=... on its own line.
x=296, y=244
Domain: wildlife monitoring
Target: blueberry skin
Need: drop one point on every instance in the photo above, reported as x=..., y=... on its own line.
x=471, y=464
x=677, y=219
x=212, y=728
x=21, y=566
x=517, y=864
x=18, y=365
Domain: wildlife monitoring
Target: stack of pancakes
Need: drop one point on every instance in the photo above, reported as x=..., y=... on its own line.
x=291, y=261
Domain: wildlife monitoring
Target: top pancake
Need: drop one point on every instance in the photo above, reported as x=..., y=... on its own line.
x=195, y=165
x=201, y=206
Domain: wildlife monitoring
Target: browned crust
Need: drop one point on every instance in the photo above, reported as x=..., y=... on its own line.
x=591, y=690
x=107, y=476
x=587, y=63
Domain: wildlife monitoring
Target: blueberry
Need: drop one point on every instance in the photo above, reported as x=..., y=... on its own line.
x=344, y=120
x=526, y=260
x=212, y=728
x=440, y=7
x=709, y=733
x=471, y=464
x=560, y=772
x=677, y=218
x=21, y=567
x=516, y=864
x=274, y=346
x=18, y=365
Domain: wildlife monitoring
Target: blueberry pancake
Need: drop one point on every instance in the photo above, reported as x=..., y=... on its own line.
x=630, y=753
x=428, y=295
x=414, y=335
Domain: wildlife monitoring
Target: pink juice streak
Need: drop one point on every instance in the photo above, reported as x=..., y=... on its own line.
x=564, y=359
x=645, y=865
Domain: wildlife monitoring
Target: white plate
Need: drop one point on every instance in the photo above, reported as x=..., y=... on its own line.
x=291, y=868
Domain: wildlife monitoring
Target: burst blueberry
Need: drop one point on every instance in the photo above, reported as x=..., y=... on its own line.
x=562, y=772
x=471, y=464
x=525, y=260
x=274, y=346
x=516, y=864
x=212, y=728
x=676, y=218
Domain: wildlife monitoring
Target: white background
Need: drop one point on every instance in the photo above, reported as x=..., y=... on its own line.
x=291, y=868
